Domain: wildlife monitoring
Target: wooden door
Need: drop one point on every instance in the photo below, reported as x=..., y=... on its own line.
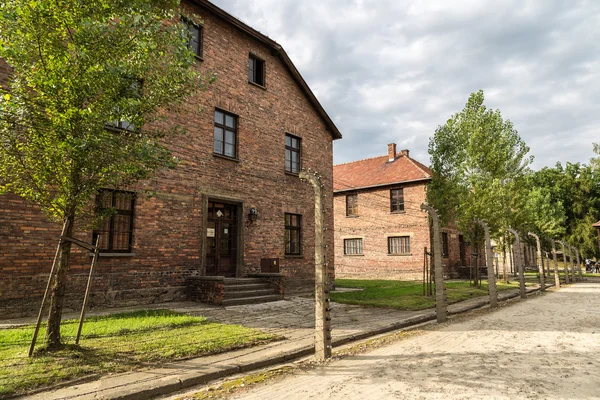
x=222, y=239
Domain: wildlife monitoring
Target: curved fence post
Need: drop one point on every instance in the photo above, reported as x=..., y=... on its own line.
x=441, y=309
x=490, y=264
x=573, y=277
x=579, y=265
x=565, y=261
x=541, y=262
x=322, y=311
x=519, y=263
x=556, y=276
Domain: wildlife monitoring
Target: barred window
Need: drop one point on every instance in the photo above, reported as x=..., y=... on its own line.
x=293, y=234
x=396, y=200
x=351, y=205
x=116, y=231
x=353, y=246
x=399, y=245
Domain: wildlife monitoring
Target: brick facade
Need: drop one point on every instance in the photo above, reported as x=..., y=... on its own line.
x=170, y=227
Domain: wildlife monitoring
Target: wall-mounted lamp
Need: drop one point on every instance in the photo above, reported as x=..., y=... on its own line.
x=252, y=215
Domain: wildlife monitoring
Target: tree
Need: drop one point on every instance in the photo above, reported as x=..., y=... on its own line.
x=577, y=187
x=86, y=76
x=479, y=164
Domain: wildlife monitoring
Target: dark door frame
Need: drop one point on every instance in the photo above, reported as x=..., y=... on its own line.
x=206, y=197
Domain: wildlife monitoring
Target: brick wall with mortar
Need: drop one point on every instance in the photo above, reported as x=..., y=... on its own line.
x=168, y=228
x=375, y=223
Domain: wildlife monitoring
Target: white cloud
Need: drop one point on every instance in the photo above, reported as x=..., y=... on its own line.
x=388, y=70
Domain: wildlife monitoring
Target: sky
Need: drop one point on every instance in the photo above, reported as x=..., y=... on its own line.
x=392, y=71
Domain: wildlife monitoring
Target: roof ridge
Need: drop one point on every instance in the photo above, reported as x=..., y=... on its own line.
x=418, y=165
x=355, y=161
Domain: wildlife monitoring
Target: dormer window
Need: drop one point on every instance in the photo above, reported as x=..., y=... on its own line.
x=256, y=70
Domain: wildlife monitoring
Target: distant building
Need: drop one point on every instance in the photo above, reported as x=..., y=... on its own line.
x=380, y=230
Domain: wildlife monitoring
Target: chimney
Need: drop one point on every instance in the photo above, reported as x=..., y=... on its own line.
x=391, y=152
x=404, y=152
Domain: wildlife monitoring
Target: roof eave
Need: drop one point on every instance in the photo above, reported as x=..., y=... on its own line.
x=284, y=57
x=381, y=185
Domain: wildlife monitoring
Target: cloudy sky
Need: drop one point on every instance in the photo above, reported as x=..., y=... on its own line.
x=393, y=70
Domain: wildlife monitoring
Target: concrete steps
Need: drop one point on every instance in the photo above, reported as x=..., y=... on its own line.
x=241, y=291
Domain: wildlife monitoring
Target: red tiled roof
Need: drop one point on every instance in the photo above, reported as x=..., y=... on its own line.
x=378, y=171
x=596, y=225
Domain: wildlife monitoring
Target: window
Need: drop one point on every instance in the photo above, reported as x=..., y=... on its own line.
x=256, y=70
x=351, y=205
x=293, y=234
x=195, y=37
x=397, y=200
x=225, y=140
x=132, y=89
x=292, y=154
x=444, y=244
x=116, y=230
x=399, y=245
x=353, y=247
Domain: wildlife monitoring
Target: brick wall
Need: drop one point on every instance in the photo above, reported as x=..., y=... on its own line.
x=168, y=228
x=375, y=223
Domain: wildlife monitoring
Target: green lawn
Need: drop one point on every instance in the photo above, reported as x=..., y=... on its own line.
x=115, y=343
x=405, y=295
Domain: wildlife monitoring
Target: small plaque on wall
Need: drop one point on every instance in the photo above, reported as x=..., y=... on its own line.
x=210, y=232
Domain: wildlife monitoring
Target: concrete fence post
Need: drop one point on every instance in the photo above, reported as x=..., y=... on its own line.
x=566, y=268
x=541, y=263
x=322, y=310
x=519, y=263
x=579, y=265
x=556, y=276
x=573, y=276
x=441, y=308
x=489, y=260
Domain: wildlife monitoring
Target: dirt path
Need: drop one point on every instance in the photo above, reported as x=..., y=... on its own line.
x=547, y=347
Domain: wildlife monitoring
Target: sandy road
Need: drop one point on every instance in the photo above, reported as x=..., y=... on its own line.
x=547, y=347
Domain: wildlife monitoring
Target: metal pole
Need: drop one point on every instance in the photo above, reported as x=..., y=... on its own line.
x=519, y=263
x=87, y=289
x=441, y=308
x=39, y=318
x=322, y=318
x=490, y=264
x=556, y=276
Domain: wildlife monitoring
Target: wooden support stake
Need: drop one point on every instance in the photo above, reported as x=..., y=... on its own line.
x=39, y=318
x=87, y=289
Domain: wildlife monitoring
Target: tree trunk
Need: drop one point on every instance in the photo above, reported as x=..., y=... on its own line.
x=57, y=292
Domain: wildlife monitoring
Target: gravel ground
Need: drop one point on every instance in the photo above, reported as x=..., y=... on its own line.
x=547, y=347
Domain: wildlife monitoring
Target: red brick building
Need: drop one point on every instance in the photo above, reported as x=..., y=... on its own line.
x=234, y=200
x=380, y=230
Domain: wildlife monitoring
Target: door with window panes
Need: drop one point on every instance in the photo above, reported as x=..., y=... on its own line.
x=222, y=239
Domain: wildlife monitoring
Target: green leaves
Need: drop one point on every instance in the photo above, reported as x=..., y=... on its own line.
x=479, y=162
x=73, y=66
